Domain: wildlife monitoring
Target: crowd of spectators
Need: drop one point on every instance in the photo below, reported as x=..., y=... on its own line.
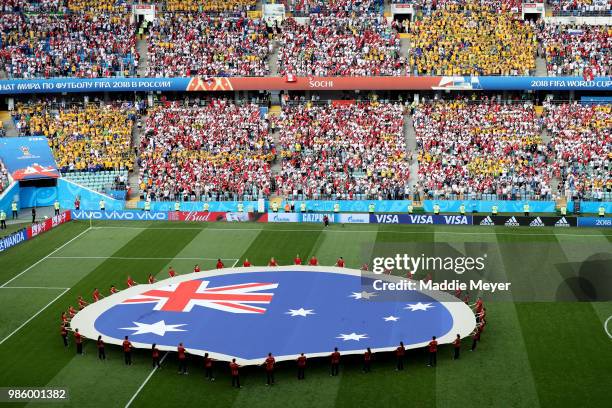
x=455, y=41
x=82, y=139
x=475, y=149
x=341, y=44
x=429, y=6
x=580, y=7
x=581, y=148
x=305, y=7
x=210, y=6
x=584, y=50
x=342, y=151
x=206, y=45
x=49, y=45
x=213, y=151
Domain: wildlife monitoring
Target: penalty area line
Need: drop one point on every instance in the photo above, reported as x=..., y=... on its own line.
x=145, y=382
x=140, y=259
x=36, y=314
x=42, y=259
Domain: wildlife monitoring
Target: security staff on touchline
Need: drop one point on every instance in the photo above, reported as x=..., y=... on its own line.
x=15, y=210
x=462, y=209
x=563, y=211
x=177, y=206
x=102, y=205
x=494, y=210
x=303, y=207
x=602, y=211
x=371, y=208
x=147, y=205
x=2, y=219
x=526, y=209
x=436, y=209
x=56, y=207
x=410, y=209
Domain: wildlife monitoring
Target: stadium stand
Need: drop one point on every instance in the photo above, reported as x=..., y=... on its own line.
x=49, y=45
x=341, y=44
x=200, y=44
x=581, y=149
x=103, y=180
x=489, y=150
x=577, y=50
x=348, y=151
x=218, y=151
x=208, y=6
x=455, y=41
x=92, y=138
x=306, y=7
x=580, y=7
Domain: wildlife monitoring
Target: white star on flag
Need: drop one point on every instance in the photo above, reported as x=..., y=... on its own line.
x=362, y=295
x=391, y=318
x=352, y=336
x=418, y=306
x=300, y=312
x=160, y=328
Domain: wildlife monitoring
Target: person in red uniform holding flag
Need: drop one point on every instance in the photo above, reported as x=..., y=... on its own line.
x=78, y=340
x=335, y=362
x=269, y=363
x=456, y=347
x=246, y=263
x=96, y=295
x=64, y=334
x=113, y=290
x=82, y=303
x=155, y=356
x=130, y=282
x=71, y=311
x=64, y=319
x=220, y=264
x=433, y=352
x=313, y=261
x=340, y=262
x=196, y=268
x=367, y=361
x=272, y=262
x=235, y=370
x=150, y=279
x=476, y=337
x=182, y=358
x=400, y=352
x=301, y=363
x=127, y=351
x=297, y=260
x=101, y=351
x=171, y=272
x=208, y=367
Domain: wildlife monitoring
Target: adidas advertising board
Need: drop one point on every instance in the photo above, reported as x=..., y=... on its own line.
x=522, y=221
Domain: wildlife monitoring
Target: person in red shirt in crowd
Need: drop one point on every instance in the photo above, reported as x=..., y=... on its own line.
x=272, y=262
x=400, y=352
x=71, y=311
x=130, y=281
x=246, y=263
x=196, y=268
x=82, y=303
x=234, y=368
x=457, y=347
x=96, y=295
x=220, y=264
x=313, y=261
x=301, y=362
x=182, y=358
x=340, y=262
x=208, y=367
x=78, y=340
x=171, y=272
x=335, y=362
x=297, y=260
x=113, y=290
x=367, y=361
x=269, y=363
x=64, y=334
x=101, y=352
x=127, y=351
x=433, y=352
x=155, y=356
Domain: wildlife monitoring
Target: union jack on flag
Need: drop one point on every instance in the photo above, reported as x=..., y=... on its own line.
x=183, y=296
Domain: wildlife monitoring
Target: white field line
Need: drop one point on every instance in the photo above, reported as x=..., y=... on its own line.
x=338, y=231
x=42, y=259
x=138, y=258
x=36, y=314
x=145, y=382
x=33, y=287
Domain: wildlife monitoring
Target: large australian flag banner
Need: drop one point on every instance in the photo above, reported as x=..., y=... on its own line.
x=245, y=313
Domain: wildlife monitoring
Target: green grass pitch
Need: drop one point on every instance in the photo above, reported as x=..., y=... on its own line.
x=534, y=353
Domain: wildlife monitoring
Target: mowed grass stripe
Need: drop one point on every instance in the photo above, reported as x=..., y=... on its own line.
x=500, y=358
x=570, y=359
x=36, y=353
